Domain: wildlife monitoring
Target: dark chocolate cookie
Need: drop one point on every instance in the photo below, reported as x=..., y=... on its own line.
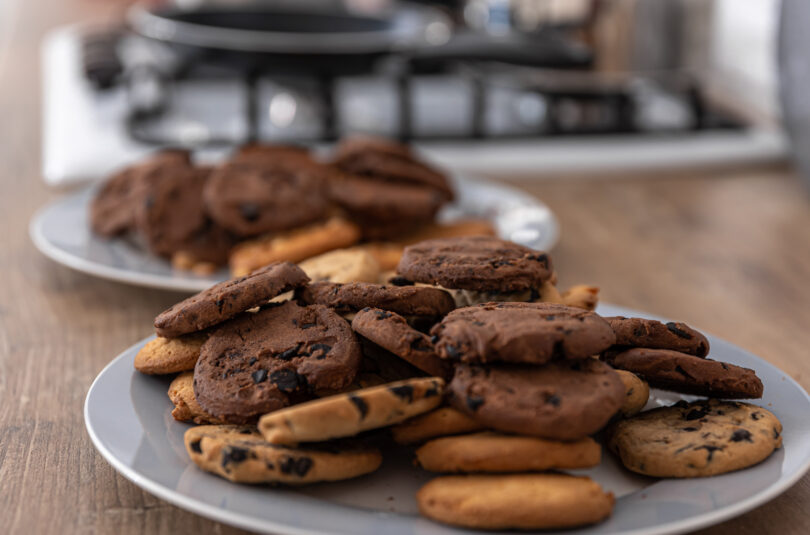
x=259, y=363
x=392, y=332
x=354, y=296
x=227, y=299
x=679, y=372
x=640, y=332
x=563, y=400
x=521, y=332
x=480, y=263
x=254, y=195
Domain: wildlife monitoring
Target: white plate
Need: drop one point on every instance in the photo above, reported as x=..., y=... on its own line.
x=128, y=417
x=62, y=232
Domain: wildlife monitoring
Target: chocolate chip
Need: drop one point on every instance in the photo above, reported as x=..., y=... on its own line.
x=682, y=404
x=418, y=344
x=710, y=449
x=434, y=339
x=382, y=314
x=220, y=303
x=535, y=295
x=679, y=450
x=362, y=406
x=775, y=433
x=233, y=455
x=682, y=371
x=195, y=446
x=308, y=325
x=299, y=466
x=673, y=328
x=252, y=361
x=473, y=402
x=250, y=211
x=246, y=432
x=285, y=380
x=259, y=376
x=741, y=434
x=403, y=391
x=689, y=429
x=289, y=353
x=432, y=391
x=400, y=281
x=695, y=414
x=554, y=400
x=320, y=347
x=452, y=352
x=755, y=416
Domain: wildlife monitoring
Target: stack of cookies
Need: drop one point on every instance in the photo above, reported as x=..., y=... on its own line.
x=470, y=354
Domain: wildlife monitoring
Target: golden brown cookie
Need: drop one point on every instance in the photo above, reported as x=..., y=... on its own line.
x=698, y=439
x=517, y=501
x=444, y=421
x=342, y=266
x=496, y=452
x=294, y=245
x=581, y=296
x=186, y=408
x=387, y=254
x=170, y=355
x=636, y=393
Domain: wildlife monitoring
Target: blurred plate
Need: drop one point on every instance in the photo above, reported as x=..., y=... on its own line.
x=61, y=231
x=128, y=417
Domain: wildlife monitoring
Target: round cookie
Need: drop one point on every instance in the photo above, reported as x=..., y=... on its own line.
x=342, y=265
x=170, y=355
x=480, y=263
x=515, y=501
x=227, y=299
x=698, y=439
x=562, y=400
x=241, y=455
x=533, y=333
x=636, y=393
x=443, y=421
x=679, y=372
x=258, y=363
x=256, y=195
x=186, y=408
x=640, y=332
x=391, y=332
x=348, y=414
x=494, y=452
x=354, y=296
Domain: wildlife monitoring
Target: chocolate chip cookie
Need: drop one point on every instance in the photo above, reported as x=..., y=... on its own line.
x=636, y=393
x=679, y=372
x=521, y=332
x=640, y=332
x=390, y=331
x=170, y=355
x=241, y=455
x=698, y=439
x=562, y=400
x=186, y=408
x=348, y=414
x=227, y=299
x=478, y=263
x=261, y=362
x=444, y=421
x=351, y=297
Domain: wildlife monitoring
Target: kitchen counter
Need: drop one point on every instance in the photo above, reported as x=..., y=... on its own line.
x=725, y=250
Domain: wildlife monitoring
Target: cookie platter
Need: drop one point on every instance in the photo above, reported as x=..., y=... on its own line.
x=61, y=231
x=128, y=417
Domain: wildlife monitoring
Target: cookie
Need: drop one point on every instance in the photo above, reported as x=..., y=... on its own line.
x=186, y=408
x=679, y=372
x=444, y=421
x=521, y=332
x=342, y=265
x=241, y=455
x=479, y=263
x=346, y=415
x=260, y=151
x=387, y=254
x=516, y=501
x=636, y=393
x=454, y=229
x=262, y=362
x=698, y=439
x=112, y=210
x=354, y=296
x=209, y=244
x=170, y=355
x=581, y=296
x=253, y=196
x=495, y=452
x=392, y=332
x=381, y=362
x=227, y=299
x=386, y=160
x=640, y=332
x=293, y=245
x=562, y=401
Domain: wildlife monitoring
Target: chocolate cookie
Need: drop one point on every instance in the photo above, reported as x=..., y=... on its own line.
x=521, y=332
x=480, y=263
x=679, y=372
x=698, y=439
x=640, y=332
x=227, y=299
x=392, y=332
x=258, y=363
x=345, y=415
x=241, y=455
x=253, y=196
x=351, y=297
x=564, y=400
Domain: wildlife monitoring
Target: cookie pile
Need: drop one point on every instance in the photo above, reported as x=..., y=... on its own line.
x=270, y=203
x=470, y=355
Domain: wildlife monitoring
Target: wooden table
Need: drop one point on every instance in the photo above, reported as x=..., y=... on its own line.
x=728, y=251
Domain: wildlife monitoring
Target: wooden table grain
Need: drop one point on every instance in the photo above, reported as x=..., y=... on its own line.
x=727, y=250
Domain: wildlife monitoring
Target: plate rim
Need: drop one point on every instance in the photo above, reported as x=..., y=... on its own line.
x=262, y=526
x=186, y=284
